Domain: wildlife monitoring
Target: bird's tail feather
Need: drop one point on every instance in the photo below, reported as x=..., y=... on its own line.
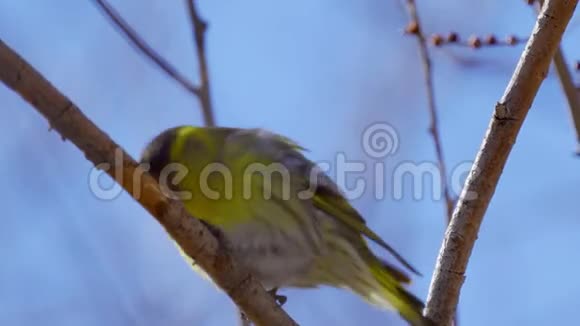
x=390, y=293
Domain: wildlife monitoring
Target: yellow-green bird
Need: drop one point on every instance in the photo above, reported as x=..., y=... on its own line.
x=285, y=220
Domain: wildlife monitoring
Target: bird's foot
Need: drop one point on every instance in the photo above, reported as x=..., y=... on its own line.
x=280, y=299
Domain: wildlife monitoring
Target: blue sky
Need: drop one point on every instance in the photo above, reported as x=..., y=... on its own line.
x=319, y=72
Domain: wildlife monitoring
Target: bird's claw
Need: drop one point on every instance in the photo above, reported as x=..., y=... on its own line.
x=280, y=299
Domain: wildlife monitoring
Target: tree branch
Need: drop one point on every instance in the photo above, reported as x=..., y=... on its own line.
x=199, y=27
x=414, y=28
x=140, y=44
x=567, y=83
x=570, y=91
x=508, y=116
x=192, y=236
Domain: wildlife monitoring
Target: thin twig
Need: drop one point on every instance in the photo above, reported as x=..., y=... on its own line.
x=572, y=95
x=475, y=41
x=434, y=126
x=507, y=119
x=199, y=27
x=143, y=47
x=192, y=236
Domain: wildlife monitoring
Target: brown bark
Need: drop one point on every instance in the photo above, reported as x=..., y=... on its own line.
x=501, y=134
x=195, y=239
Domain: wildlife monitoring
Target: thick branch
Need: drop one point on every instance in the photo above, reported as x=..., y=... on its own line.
x=199, y=27
x=415, y=28
x=140, y=44
x=504, y=126
x=195, y=239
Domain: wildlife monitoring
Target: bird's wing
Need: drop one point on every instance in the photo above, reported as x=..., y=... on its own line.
x=328, y=199
x=252, y=152
x=326, y=195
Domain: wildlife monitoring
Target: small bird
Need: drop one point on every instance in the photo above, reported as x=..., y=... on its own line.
x=285, y=220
